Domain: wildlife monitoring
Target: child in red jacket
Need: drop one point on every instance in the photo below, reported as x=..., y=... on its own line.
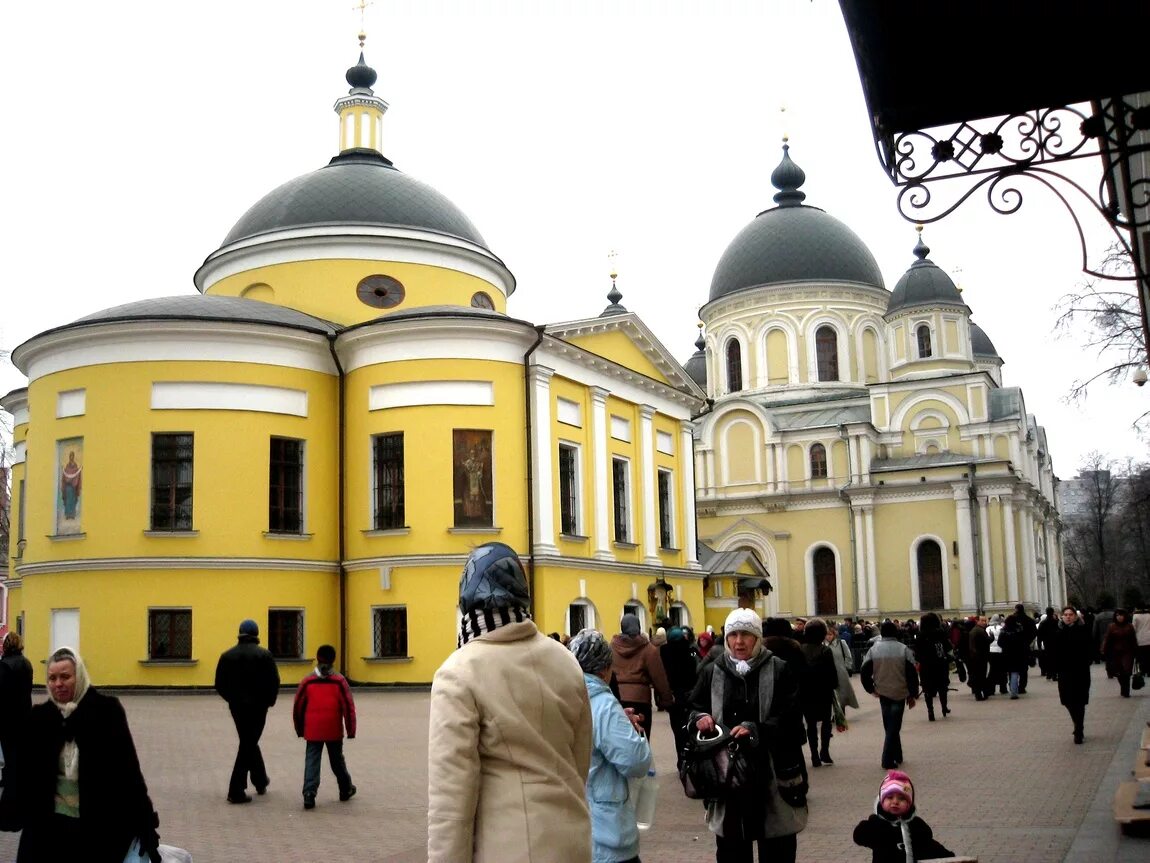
x=323, y=708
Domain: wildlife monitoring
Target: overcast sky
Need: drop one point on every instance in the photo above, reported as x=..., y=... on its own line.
x=136, y=133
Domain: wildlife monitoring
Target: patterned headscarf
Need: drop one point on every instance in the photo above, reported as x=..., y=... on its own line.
x=592, y=650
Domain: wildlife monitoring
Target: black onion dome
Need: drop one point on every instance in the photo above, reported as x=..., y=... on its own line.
x=980, y=343
x=793, y=242
x=358, y=187
x=924, y=284
x=361, y=76
x=696, y=366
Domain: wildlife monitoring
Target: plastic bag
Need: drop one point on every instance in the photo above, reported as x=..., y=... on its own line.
x=168, y=854
x=713, y=767
x=644, y=793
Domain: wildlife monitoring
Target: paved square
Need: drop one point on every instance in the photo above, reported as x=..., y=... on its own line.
x=1000, y=780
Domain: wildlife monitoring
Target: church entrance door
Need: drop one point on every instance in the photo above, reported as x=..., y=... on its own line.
x=826, y=582
x=930, y=595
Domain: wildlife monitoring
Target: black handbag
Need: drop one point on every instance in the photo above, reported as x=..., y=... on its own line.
x=713, y=767
x=1137, y=681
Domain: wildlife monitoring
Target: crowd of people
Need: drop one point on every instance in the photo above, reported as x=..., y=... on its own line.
x=535, y=742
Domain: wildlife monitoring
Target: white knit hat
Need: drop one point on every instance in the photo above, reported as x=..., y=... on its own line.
x=743, y=620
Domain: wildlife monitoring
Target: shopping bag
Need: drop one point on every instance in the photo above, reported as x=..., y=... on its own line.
x=168, y=854
x=713, y=767
x=644, y=793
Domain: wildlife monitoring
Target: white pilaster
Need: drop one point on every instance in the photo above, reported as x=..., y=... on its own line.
x=984, y=533
x=542, y=479
x=1012, y=591
x=687, y=460
x=965, y=545
x=1029, y=555
x=600, y=481
x=647, y=472
x=859, y=563
x=871, y=565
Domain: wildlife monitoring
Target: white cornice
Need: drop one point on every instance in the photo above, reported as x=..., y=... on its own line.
x=582, y=564
x=355, y=242
x=162, y=341
x=868, y=297
x=107, y=564
x=461, y=337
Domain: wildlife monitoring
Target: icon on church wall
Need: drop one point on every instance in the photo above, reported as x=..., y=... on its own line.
x=471, y=459
x=70, y=463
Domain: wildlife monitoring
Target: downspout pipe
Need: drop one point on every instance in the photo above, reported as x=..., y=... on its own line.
x=341, y=517
x=528, y=404
x=844, y=493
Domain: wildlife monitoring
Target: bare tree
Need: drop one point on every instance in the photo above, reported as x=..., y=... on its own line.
x=1109, y=318
x=1092, y=537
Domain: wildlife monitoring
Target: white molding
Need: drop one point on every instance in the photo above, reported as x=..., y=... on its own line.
x=915, y=590
x=620, y=428
x=664, y=442
x=213, y=395
x=809, y=567
x=112, y=564
x=434, y=338
x=19, y=452
x=355, y=242
x=71, y=403
x=569, y=412
x=421, y=393
x=162, y=341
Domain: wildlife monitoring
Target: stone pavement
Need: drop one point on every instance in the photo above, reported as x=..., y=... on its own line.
x=1000, y=780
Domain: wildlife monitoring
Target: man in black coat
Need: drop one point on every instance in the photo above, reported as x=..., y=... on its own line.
x=247, y=679
x=1029, y=633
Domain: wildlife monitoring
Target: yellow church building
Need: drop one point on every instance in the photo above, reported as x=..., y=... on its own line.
x=859, y=442
x=318, y=438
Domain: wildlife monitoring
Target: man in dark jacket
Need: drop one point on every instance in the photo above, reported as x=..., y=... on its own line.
x=888, y=673
x=247, y=679
x=978, y=660
x=1046, y=629
x=1029, y=633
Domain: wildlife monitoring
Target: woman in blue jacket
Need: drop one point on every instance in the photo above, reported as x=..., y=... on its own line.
x=619, y=751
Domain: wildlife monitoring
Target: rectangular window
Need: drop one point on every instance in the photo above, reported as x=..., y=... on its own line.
x=169, y=633
x=568, y=489
x=285, y=633
x=387, y=461
x=621, y=495
x=389, y=631
x=172, y=481
x=20, y=524
x=471, y=461
x=285, y=486
x=666, y=511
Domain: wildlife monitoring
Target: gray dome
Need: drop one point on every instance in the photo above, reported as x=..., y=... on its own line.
x=696, y=366
x=359, y=187
x=980, y=343
x=924, y=284
x=793, y=243
x=198, y=307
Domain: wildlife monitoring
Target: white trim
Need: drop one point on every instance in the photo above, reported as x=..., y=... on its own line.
x=71, y=403
x=664, y=442
x=577, y=449
x=960, y=410
x=357, y=243
x=811, y=329
x=434, y=338
x=671, y=495
x=544, y=455
x=569, y=412
x=629, y=495
x=601, y=476
x=160, y=341
x=620, y=428
x=592, y=615
x=423, y=393
x=915, y=590
x=212, y=395
x=117, y=564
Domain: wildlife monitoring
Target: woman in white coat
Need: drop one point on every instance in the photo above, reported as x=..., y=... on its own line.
x=509, y=736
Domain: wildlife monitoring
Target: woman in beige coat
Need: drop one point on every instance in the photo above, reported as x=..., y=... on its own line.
x=509, y=739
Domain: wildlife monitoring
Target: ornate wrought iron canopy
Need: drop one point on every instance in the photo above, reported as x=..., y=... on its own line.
x=986, y=95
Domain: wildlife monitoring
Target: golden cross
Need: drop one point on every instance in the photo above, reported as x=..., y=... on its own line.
x=362, y=7
x=611, y=256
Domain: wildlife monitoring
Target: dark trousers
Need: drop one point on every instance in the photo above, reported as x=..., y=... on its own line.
x=679, y=728
x=997, y=674
x=644, y=711
x=249, y=760
x=781, y=849
x=1124, y=685
x=892, y=710
x=976, y=677
x=1077, y=716
x=813, y=718
x=313, y=755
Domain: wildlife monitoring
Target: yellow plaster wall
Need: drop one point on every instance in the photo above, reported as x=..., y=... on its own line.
x=618, y=347
x=778, y=361
x=870, y=356
x=327, y=289
x=897, y=526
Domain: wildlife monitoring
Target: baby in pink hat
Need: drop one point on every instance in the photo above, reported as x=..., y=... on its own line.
x=895, y=833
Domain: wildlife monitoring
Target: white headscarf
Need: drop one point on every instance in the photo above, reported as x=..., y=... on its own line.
x=70, y=754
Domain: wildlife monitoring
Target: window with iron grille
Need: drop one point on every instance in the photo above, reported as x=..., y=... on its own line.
x=285, y=633
x=169, y=633
x=818, y=461
x=621, y=494
x=924, y=341
x=387, y=453
x=666, y=514
x=285, y=486
x=577, y=618
x=568, y=490
x=172, y=456
x=734, y=366
x=827, y=353
x=389, y=630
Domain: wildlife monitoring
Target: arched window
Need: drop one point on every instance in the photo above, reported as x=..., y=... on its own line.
x=734, y=366
x=826, y=581
x=827, y=353
x=924, y=342
x=930, y=595
x=818, y=461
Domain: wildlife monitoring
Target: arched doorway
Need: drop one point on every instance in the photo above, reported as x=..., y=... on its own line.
x=826, y=582
x=930, y=595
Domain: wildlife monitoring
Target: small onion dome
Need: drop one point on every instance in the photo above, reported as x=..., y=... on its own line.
x=361, y=76
x=793, y=242
x=613, y=296
x=696, y=366
x=980, y=343
x=924, y=284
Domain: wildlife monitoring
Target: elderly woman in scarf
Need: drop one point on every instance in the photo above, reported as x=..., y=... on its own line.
x=83, y=794
x=753, y=693
x=619, y=751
